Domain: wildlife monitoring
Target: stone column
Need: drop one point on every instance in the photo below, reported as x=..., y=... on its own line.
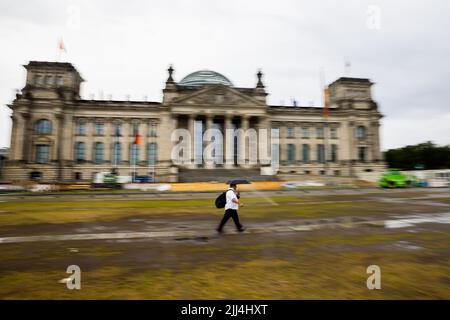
x=352, y=147
x=191, y=129
x=125, y=143
x=67, y=137
x=108, y=133
x=27, y=137
x=209, y=125
x=243, y=148
x=90, y=143
x=228, y=142
x=17, y=137
x=376, y=141
x=59, y=141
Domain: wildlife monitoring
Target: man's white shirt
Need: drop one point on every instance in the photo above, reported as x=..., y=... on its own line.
x=230, y=196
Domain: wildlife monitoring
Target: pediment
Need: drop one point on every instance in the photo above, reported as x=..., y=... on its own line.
x=217, y=95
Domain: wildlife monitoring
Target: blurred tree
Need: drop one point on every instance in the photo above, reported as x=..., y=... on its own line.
x=421, y=156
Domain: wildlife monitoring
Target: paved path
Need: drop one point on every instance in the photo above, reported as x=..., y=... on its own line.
x=396, y=222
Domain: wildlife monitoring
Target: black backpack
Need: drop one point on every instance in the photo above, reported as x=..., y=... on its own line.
x=221, y=200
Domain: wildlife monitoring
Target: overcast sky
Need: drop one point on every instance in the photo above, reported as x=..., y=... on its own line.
x=125, y=47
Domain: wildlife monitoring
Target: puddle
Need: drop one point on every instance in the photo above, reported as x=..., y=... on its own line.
x=407, y=245
x=413, y=220
x=198, y=239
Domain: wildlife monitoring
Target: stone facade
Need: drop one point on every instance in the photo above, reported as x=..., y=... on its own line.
x=57, y=136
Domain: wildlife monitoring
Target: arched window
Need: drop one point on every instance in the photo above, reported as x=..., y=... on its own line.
x=80, y=149
x=290, y=153
x=360, y=132
x=134, y=154
x=320, y=153
x=98, y=153
x=42, y=153
x=334, y=153
x=152, y=153
x=43, y=126
x=117, y=153
x=305, y=153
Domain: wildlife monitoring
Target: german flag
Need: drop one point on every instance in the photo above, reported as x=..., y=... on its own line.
x=61, y=46
x=137, y=138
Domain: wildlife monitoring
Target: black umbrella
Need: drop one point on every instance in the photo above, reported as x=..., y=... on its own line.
x=238, y=181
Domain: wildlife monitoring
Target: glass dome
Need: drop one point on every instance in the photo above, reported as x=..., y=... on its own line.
x=204, y=77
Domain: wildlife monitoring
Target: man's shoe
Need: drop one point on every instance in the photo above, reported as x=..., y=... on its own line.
x=219, y=231
x=241, y=230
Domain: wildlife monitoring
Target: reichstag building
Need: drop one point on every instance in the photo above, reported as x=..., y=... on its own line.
x=59, y=137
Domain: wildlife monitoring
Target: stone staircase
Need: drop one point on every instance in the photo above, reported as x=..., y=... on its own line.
x=220, y=175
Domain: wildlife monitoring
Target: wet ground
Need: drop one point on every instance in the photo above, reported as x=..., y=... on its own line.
x=315, y=245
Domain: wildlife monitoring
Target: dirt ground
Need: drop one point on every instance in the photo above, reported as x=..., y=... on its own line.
x=297, y=245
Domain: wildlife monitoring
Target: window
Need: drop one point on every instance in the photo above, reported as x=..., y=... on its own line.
x=59, y=80
x=152, y=153
x=319, y=133
x=362, y=154
x=305, y=153
x=305, y=133
x=134, y=154
x=42, y=153
x=49, y=80
x=37, y=79
x=320, y=153
x=117, y=129
x=334, y=153
x=337, y=172
x=152, y=129
x=81, y=128
x=78, y=176
x=98, y=153
x=290, y=153
x=360, y=132
x=43, y=126
x=333, y=133
x=117, y=153
x=290, y=132
x=134, y=128
x=35, y=175
x=80, y=149
x=99, y=129
x=274, y=152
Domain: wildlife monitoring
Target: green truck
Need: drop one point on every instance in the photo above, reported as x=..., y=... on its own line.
x=393, y=178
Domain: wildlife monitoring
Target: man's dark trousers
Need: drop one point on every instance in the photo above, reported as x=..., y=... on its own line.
x=230, y=213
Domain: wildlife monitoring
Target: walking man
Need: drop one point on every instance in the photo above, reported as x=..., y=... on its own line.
x=231, y=209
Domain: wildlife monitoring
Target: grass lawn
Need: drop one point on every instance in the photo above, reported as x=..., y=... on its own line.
x=16, y=213
x=298, y=267
x=319, y=264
